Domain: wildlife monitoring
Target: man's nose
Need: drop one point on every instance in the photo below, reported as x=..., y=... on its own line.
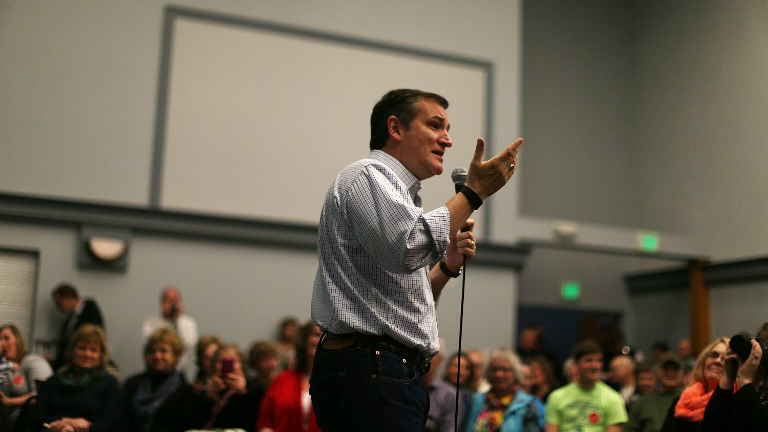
x=445, y=140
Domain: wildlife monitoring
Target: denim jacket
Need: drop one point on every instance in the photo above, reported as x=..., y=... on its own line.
x=522, y=415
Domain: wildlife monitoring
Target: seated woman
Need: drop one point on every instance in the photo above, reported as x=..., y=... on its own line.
x=465, y=379
x=543, y=374
x=159, y=400
x=287, y=406
x=263, y=358
x=687, y=412
x=28, y=370
x=82, y=396
x=739, y=401
x=205, y=350
x=505, y=408
x=229, y=403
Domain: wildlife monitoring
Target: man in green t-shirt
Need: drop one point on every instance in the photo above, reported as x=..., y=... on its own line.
x=587, y=405
x=649, y=411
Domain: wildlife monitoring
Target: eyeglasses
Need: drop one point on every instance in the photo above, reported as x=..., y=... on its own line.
x=714, y=355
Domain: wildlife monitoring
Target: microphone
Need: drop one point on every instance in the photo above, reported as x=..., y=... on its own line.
x=459, y=178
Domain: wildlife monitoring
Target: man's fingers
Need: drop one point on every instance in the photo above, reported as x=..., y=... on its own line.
x=509, y=154
x=517, y=144
x=513, y=149
x=479, y=151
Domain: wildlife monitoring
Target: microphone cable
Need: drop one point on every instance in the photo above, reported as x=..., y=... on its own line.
x=458, y=356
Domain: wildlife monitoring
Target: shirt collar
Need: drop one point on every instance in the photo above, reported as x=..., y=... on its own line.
x=411, y=182
x=79, y=308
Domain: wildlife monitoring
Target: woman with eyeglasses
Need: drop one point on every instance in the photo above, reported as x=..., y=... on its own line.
x=505, y=407
x=739, y=401
x=686, y=414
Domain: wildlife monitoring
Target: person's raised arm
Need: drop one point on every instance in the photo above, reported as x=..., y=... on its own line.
x=484, y=178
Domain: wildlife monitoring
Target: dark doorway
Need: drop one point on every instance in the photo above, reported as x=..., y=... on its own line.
x=564, y=328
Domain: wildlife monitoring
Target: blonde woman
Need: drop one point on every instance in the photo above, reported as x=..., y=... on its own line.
x=159, y=399
x=688, y=412
x=28, y=370
x=83, y=396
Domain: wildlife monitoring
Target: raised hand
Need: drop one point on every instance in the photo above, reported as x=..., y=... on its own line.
x=487, y=177
x=748, y=369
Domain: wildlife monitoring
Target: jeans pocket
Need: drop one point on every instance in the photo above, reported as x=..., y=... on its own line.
x=328, y=388
x=394, y=369
x=327, y=393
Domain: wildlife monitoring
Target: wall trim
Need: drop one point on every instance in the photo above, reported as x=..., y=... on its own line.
x=139, y=220
x=715, y=275
x=607, y=250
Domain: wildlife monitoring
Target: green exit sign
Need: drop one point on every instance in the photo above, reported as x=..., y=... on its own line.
x=570, y=290
x=648, y=242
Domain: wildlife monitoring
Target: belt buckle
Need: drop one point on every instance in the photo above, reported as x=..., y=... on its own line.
x=426, y=365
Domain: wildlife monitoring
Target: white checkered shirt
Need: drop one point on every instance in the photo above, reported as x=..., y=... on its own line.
x=374, y=247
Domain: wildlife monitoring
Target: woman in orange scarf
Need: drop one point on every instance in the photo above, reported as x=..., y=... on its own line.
x=686, y=413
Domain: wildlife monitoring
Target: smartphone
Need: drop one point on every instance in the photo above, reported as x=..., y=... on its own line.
x=227, y=367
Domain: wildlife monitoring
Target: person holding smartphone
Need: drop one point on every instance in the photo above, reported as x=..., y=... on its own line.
x=231, y=404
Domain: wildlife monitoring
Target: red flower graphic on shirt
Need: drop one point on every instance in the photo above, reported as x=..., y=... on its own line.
x=594, y=417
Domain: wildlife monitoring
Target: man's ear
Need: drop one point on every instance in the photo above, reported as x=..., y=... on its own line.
x=394, y=127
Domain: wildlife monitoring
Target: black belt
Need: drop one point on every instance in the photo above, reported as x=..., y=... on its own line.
x=385, y=343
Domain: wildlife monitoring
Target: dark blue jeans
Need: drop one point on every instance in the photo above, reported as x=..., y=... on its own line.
x=364, y=389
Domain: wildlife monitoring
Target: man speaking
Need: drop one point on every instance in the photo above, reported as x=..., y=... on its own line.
x=374, y=294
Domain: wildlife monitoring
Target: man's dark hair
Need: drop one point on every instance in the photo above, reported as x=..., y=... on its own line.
x=401, y=103
x=259, y=351
x=586, y=347
x=660, y=345
x=65, y=289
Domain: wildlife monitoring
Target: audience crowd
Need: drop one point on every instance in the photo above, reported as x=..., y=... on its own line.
x=206, y=383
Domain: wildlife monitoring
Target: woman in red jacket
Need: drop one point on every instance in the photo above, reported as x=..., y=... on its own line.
x=287, y=406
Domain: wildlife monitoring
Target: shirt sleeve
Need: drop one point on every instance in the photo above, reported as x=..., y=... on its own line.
x=266, y=418
x=36, y=369
x=553, y=409
x=615, y=411
x=445, y=421
x=188, y=331
x=392, y=230
x=748, y=412
x=633, y=423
